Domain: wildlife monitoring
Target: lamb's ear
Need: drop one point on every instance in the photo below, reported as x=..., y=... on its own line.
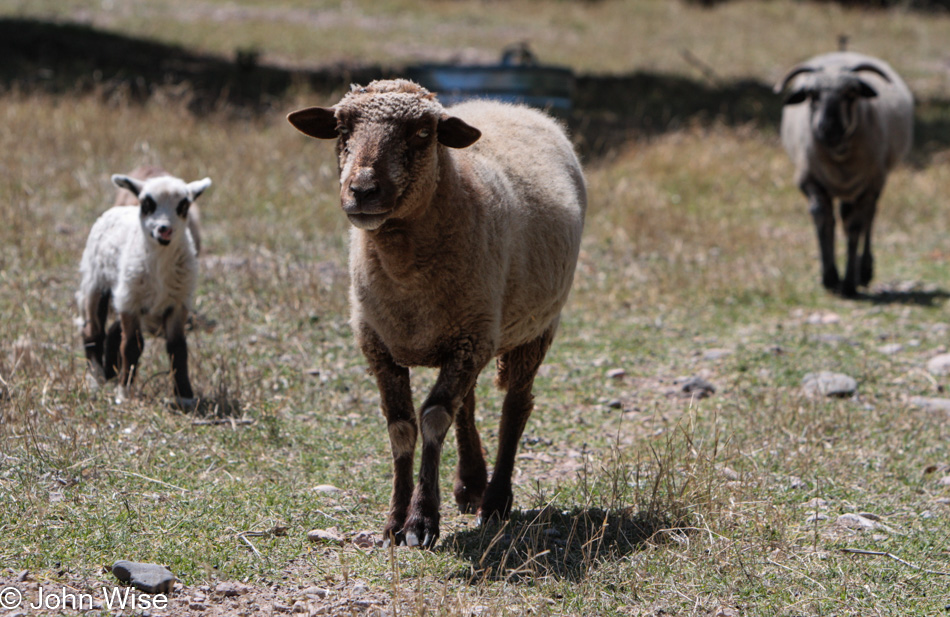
x=198, y=187
x=865, y=90
x=455, y=133
x=319, y=122
x=795, y=97
x=127, y=182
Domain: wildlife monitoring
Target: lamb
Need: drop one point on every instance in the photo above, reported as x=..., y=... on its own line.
x=466, y=228
x=142, y=260
x=124, y=197
x=856, y=127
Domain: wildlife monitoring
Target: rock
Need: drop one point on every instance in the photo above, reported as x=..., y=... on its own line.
x=325, y=535
x=890, y=349
x=795, y=483
x=826, y=383
x=147, y=577
x=816, y=517
x=366, y=539
x=230, y=589
x=931, y=404
x=861, y=522
x=616, y=373
x=716, y=354
x=319, y=592
x=939, y=365
x=696, y=387
x=326, y=488
x=816, y=502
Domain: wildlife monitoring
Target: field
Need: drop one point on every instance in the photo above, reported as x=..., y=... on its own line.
x=633, y=495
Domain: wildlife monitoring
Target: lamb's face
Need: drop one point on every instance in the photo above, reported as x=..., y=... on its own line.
x=388, y=137
x=163, y=205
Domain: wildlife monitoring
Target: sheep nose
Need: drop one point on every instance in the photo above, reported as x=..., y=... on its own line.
x=363, y=184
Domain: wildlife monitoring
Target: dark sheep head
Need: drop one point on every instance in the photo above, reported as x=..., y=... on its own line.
x=833, y=98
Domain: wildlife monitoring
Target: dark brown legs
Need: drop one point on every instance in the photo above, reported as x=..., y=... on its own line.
x=414, y=509
x=517, y=370
x=177, y=350
x=857, y=217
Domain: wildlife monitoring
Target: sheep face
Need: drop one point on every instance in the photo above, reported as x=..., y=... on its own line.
x=388, y=136
x=163, y=204
x=833, y=100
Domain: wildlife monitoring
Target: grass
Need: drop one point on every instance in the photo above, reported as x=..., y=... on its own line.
x=698, y=260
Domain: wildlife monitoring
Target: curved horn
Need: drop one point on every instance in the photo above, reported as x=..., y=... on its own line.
x=867, y=66
x=795, y=71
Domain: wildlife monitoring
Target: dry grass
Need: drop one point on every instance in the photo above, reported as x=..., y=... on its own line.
x=699, y=260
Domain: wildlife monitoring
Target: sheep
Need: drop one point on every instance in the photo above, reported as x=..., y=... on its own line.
x=124, y=197
x=141, y=260
x=466, y=227
x=856, y=126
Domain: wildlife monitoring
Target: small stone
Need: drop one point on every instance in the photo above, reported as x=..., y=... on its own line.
x=816, y=502
x=795, y=483
x=696, y=387
x=22, y=576
x=147, y=577
x=230, y=589
x=825, y=318
x=931, y=404
x=861, y=523
x=325, y=535
x=326, y=488
x=716, y=354
x=300, y=607
x=282, y=608
x=939, y=365
x=366, y=539
x=944, y=481
x=616, y=373
x=197, y=606
x=729, y=474
x=826, y=383
x=319, y=592
x=816, y=517
x=890, y=349
x=615, y=403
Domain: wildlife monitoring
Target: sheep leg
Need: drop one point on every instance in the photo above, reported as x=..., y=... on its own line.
x=857, y=217
x=113, y=342
x=822, y=212
x=471, y=476
x=456, y=379
x=177, y=348
x=395, y=395
x=130, y=350
x=93, y=333
x=517, y=370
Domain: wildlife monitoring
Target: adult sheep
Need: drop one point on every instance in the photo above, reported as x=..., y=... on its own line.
x=466, y=227
x=846, y=122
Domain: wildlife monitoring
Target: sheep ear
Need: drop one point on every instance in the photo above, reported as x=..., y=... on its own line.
x=127, y=182
x=865, y=90
x=795, y=97
x=198, y=187
x=455, y=133
x=319, y=122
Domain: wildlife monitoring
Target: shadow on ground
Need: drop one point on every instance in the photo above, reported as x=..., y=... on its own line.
x=552, y=543
x=913, y=297
x=608, y=110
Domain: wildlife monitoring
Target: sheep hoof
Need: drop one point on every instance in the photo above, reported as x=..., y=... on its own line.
x=428, y=541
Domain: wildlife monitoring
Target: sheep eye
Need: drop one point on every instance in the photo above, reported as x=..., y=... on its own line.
x=423, y=134
x=343, y=130
x=148, y=205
